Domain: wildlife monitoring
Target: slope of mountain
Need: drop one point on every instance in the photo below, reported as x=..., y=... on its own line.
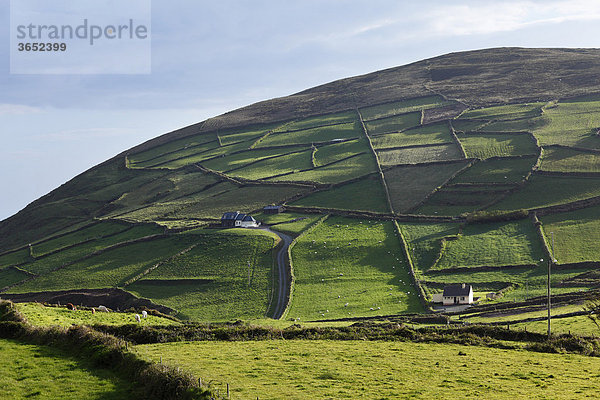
x=452, y=169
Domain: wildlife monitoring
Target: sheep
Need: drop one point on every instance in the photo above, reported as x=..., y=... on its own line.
x=137, y=318
x=93, y=310
x=144, y=314
x=102, y=308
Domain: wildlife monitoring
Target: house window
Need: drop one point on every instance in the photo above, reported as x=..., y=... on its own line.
x=462, y=298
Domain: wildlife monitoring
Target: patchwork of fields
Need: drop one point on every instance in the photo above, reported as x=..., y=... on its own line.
x=426, y=159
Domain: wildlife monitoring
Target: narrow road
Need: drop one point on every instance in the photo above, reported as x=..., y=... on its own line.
x=285, y=282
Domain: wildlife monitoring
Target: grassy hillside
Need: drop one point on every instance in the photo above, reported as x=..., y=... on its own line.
x=355, y=268
x=433, y=142
x=42, y=372
x=358, y=369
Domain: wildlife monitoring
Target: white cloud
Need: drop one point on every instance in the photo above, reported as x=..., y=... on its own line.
x=18, y=109
x=487, y=18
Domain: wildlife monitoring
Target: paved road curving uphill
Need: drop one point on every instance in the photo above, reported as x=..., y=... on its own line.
x=285, y=280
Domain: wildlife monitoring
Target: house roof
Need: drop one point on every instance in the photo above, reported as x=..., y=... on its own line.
x=458, y=289
x=236, y=216
x=230, y=215
x=272, y=207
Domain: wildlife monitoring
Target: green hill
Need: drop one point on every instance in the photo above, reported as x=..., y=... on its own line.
x=459, y=168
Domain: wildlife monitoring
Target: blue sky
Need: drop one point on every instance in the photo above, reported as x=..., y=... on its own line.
x=211, y=57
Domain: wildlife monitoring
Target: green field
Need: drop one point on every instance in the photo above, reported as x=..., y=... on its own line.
x=484, y=146
x=147, y=156
x=15, y=258
x=11, y=276
x=455, y=201
x=542, y=191
x=561, y=159
x=167, y=188
x=571, y=123
x=366, y=195
x=38, y=315
x=327, y=119
x=295, y=369
x=511, y=170
x=428, y=134
x=404, y=106
x=44, y=265
x=460, y=125
x=415, y=155
x=301, y=221
x=275, y=166
x=193, y=156
x=214, y=202
x=337, y=151
x=198, y=152
x=110, y=268
x=239, y=160
x=95, y=231
x=393, y=124
x=576, y=234
x=355, y=268
x=505, y=112
x=43, y=372
x=350, y=168
x=314, y=135
x=211, y=284
x=512, y=243
x=424, y=241
x=408, y=185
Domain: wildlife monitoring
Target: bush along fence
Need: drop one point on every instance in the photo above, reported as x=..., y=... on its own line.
x=473, y=335
x=155, y=381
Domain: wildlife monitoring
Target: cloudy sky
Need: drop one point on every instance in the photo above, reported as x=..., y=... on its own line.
x=210, y=57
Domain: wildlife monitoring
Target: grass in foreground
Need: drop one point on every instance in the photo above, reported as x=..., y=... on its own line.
x=38, y=315
x=295, y=369
x=42, y=372
x=346, y=267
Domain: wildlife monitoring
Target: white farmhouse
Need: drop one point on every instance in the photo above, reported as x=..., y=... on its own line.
x=455, y=294
x=238, y=220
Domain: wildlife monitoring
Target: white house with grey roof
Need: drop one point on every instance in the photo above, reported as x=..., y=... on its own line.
x=455, y=294
x=238, y=220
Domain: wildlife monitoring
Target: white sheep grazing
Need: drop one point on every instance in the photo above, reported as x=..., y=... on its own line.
x=137, y=318
x=102, y=308
x=144, y=314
